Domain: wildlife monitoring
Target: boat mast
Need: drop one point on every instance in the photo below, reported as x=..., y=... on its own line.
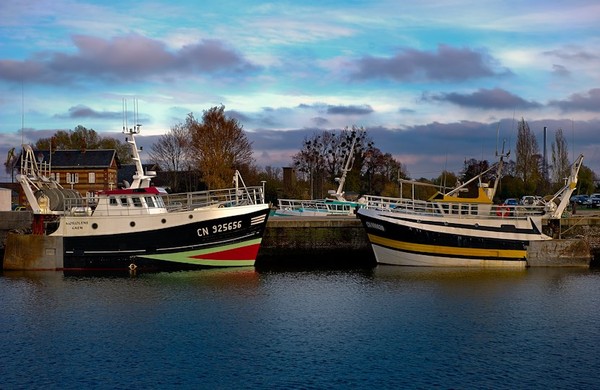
x=140, y=179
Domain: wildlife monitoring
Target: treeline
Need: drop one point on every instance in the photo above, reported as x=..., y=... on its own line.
x=203, y=153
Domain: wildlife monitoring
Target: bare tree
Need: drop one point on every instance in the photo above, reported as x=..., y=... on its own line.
x=528, y=158
x=324, y=156
x=560, y=158
x=171, y=154
x=310, y=160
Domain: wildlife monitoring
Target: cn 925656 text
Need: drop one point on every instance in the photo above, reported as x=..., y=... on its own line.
x=219, y=228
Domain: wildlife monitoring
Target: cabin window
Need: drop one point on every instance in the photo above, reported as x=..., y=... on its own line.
x=150, y=201
x=92, y=177
x=113, y=201
x=124, y=202
x=159, y=202
x=136, y=201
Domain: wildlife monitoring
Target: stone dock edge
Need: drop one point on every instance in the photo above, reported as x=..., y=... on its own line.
x=342, y=242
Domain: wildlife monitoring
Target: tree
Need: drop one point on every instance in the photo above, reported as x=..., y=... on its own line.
x=528, y=158
x=586, y=180
x=475, y=167
x=11, y=162
x=560, y=159
x=219, y=147
x=310, y=160
x=324, y=156
x=172, y=154
x=83, y=138
x=379, y=169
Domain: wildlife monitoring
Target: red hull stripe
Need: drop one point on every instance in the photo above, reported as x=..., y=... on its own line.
x=243, y=253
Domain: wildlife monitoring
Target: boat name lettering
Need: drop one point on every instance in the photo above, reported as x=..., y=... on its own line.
x=220, y=228
x=375, y=226
x=75, y=223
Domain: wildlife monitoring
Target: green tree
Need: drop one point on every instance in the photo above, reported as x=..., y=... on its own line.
x=83, y=138
x=586, y=180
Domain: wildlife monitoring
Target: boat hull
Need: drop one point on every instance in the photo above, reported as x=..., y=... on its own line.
x=188, y=240
x=419, y=240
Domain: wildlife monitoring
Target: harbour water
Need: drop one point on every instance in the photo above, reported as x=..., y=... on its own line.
x=377, y=328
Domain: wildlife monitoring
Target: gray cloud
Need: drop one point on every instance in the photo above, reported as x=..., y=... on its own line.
x=496, y=98
x=589, y=101
x=363, y=109
x=571, y=53
x=124, y=58
x=353, y=109
x=81, y=111
x=445, y=64
x=560, y=70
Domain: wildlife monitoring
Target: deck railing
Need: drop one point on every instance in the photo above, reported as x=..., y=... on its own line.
x=454, y=209
x=222, y=197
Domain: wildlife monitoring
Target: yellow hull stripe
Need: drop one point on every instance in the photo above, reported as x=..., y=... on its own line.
x=449, y=250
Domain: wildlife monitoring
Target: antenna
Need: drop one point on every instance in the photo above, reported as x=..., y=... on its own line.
x=124, y=108
x=497, y=137
x=22, y=111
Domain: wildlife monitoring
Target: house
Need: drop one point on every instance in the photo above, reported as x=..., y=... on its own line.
x=86, y=171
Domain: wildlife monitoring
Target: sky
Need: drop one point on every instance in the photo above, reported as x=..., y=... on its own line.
x=434, y=83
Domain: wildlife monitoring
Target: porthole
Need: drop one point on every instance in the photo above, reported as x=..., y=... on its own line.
x=163, y=220
x=132, y=224
x=94, y=225
x=190, y=216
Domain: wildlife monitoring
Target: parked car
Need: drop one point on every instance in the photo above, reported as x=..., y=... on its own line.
x=512, y=202
x=595, y=200
x=581, y=200
x=531, y=200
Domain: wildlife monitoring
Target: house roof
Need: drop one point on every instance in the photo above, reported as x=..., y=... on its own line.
x=91, y=158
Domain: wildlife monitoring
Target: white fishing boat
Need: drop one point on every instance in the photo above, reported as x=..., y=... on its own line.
x=335, y=205
x=136, y=228
x=451, y=230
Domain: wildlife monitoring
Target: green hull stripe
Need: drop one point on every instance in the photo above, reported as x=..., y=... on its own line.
x=191, y=257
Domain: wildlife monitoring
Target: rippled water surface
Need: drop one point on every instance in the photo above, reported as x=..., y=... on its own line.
x=386, y=327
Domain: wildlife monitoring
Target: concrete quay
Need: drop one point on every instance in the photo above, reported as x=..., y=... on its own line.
x=315, y=241
x=342, y=242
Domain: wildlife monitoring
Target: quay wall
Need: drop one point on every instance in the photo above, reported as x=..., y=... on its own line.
x=335, y=241
x=315, y=241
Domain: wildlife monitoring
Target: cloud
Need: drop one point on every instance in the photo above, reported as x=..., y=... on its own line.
x=332, y=109
x=363, y=109
x=589, y=101
x=445, y=64
x=496, y=98
x=82, y=111
x=572, y=53
x=560, y=70
x=124, y=58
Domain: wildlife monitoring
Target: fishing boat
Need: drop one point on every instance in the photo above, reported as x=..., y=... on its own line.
x=141, y=227
x=334, y=205
x=453, y=230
